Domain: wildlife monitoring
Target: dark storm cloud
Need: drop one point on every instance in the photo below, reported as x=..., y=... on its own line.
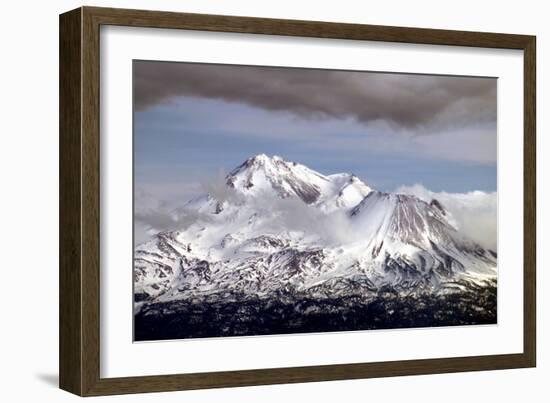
x=406, y=101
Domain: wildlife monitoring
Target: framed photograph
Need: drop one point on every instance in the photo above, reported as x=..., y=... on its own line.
x=249, y=201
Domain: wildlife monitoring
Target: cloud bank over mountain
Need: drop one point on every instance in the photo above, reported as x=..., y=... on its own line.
x=474, y=213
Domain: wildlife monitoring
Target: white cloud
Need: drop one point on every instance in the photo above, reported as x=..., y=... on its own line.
x=475, y=212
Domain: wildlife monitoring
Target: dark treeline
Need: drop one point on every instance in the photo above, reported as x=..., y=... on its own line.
x=284, y=315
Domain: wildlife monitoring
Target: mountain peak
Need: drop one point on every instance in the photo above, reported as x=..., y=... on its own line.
x=262, y=173
x=265, y=158
x=260, y=161
x=260, y=158
x=403, y=217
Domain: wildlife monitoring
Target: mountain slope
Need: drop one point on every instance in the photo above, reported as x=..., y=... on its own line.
x=284, y=228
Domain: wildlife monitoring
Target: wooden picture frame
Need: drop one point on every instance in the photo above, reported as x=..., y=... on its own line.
x=79, y=346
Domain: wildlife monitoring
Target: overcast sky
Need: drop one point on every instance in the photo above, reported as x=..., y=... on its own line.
x=193, y=121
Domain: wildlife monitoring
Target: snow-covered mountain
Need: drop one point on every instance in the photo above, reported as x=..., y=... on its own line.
x=280, y=227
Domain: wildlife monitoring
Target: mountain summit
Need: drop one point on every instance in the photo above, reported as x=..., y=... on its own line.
x=290, y=179
x=291, y=230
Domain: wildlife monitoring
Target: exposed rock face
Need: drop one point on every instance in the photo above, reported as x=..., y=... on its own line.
x=285, y=229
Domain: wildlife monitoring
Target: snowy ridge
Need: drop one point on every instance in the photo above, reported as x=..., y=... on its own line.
x=283, y=227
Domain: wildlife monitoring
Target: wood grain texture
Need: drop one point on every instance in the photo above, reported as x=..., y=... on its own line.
x=530, y=203
x=317, y=29
x=70, y=273
x=80, y=201
x=90, y=202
